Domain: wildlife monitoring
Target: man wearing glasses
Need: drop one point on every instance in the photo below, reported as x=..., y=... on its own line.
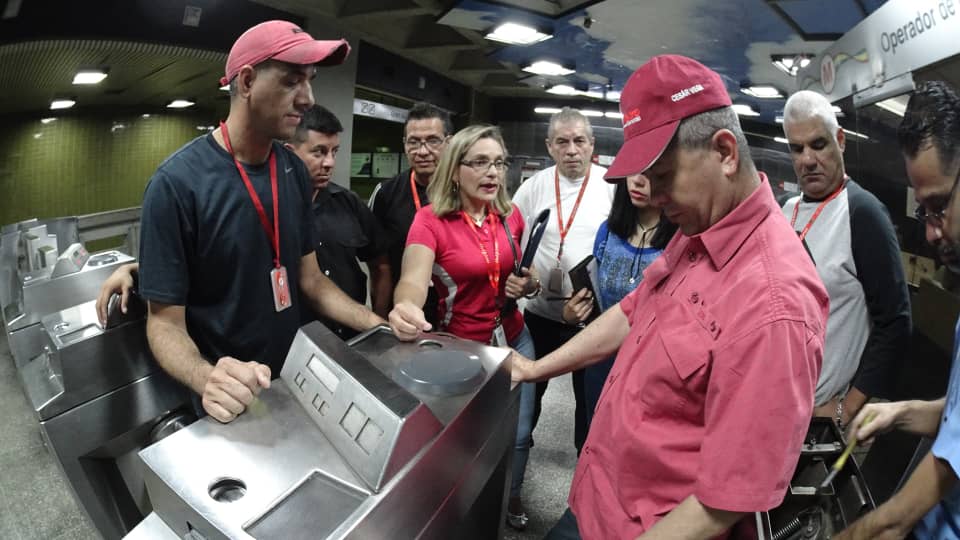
x=579, y=201
x=395, y=201
x=929, y=502
x=848, y=233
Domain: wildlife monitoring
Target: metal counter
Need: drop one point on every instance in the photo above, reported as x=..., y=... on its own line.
x=375, y=439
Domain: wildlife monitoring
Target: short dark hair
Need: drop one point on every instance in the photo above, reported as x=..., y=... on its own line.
x=932, y=118
x=425, y=111
x=317, y=118
x=624, y=218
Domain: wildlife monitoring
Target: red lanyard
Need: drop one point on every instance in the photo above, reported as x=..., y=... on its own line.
x=275, y=238
x=413, y=188
x=493, y=270
x=816, y=213
x=576, y=205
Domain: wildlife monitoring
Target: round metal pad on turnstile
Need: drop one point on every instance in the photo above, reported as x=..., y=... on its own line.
x=442, y=372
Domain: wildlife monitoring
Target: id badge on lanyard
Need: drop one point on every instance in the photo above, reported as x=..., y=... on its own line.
x=555, y=282
x=499, y=338
x=279, y=283
x=281, y=288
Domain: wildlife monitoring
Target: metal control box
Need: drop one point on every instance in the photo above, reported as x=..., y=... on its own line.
x=362, y=440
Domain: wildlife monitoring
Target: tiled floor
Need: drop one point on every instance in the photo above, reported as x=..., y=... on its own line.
x=552, y=460
x=35, y=501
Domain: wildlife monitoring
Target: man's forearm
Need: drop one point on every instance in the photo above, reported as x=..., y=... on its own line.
x=922, y=417
x=329, y=301
x=381, y=288
x=597, y=341
x=692, y=520
x=927, y=485
x=177, y=354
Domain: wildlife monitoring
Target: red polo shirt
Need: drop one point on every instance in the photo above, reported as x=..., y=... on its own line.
x=712, y=391
x=467, y=306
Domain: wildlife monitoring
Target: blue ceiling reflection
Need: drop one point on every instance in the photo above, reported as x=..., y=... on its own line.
x=734, y=37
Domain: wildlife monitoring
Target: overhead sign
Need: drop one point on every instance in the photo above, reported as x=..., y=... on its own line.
x=896, y=39
x=373, y=109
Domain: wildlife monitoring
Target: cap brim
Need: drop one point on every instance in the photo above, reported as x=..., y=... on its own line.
x=640, y=152
x=324, y=53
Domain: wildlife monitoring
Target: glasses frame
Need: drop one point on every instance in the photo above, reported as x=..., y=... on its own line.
x=500, y=165
x=409, y=146
x=936, y=219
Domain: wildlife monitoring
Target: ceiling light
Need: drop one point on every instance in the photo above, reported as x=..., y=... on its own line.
x=612, y=114
x=595, y=94
x=145, y=115
x=855, y=134
x=517, y=34
x=225, y=88
x=744, y=110
x=896, y=105
x=180, y=104
x=791, y=63
x=562, y=90
x=613, y=95
x=546, y=110
x=89, y=76
x=37, y=135
x=781, y=140
x=762, y=91
x=544, y=67
x=47, y=120
x=590, y=112
x=62, y=104
x=778, y=119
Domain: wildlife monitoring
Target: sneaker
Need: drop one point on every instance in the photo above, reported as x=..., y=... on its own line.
x=517, y=521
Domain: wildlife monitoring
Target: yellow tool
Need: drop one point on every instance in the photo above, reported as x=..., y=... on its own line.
x=842, y=460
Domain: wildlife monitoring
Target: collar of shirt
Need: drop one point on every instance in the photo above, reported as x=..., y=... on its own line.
x=327, y=193
x=721, y=240
x=577, y=181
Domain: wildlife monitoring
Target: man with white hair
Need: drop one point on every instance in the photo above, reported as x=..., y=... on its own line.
x=848, y=232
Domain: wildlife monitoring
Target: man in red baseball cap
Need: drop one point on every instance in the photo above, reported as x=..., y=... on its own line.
x=703, y=414
x=227, y=257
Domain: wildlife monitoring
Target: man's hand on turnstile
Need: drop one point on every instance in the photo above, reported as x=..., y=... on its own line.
x=232, y=386
x=522, y=367
x=119, y=282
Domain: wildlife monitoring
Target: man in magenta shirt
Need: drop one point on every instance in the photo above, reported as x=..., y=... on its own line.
x=704, y=412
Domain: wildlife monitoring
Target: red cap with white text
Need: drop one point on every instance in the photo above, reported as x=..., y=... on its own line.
x=659, y=94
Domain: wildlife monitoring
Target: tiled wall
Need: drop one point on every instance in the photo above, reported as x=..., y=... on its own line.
x=82, y=164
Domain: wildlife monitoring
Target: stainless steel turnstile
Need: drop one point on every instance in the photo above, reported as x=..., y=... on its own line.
x=100, y=398
x=376, y=439
x=75, y=278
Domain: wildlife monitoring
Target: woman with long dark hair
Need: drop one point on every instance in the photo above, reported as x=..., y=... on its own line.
x=632, y=237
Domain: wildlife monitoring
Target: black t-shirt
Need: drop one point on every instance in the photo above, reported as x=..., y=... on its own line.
x=345, y=230
x=392, y=203
x=202, y=246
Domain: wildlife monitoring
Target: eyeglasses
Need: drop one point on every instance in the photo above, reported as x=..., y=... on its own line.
x=936, y=218
x=482, y=165
x=433, y=143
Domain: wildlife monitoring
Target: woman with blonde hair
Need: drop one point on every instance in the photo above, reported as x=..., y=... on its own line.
x=467, y=241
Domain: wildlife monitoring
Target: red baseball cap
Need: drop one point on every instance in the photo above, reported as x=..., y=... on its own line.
x=283, y=41
x=658, y=95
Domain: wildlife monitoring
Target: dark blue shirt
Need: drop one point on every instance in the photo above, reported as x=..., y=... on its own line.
x=202, y=246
